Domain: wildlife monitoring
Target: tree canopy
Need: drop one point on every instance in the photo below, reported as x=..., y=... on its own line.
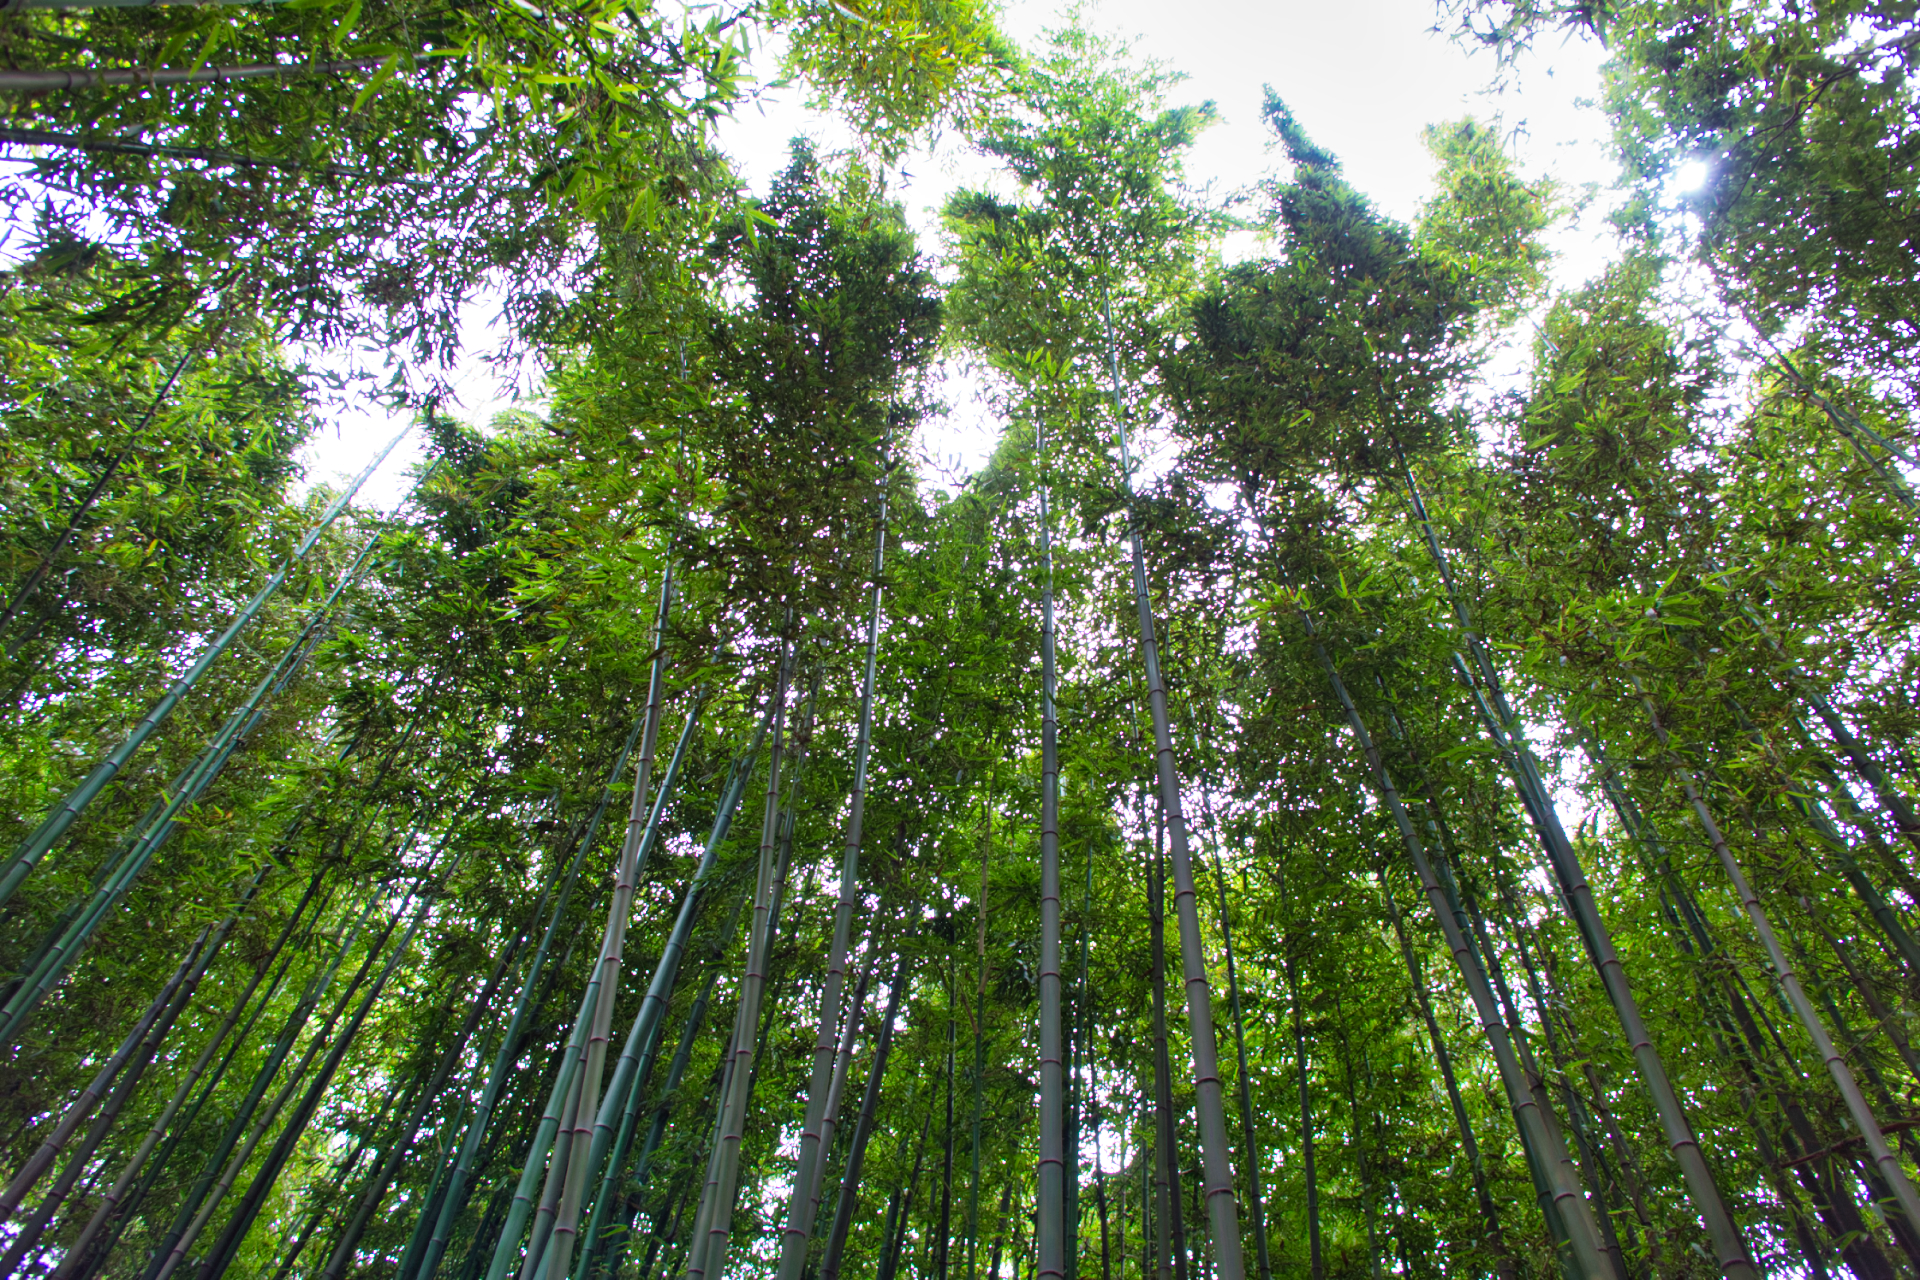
x=1307, y=805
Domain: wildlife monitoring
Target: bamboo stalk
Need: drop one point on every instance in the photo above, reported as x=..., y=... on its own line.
x=577, y=1133
x=243, y=1117
x=708, y=1254
x=863, y=1130
x=64, y=815
x=1869, y=1125
x=1503, y=727
x=129, y=1189
x=70, y=80
x=1222, y=1207
x=454, y=1199
x=798, y=1230
x=1262, y=1253
x=1530, y=1115
x=1051, y=1227
x=1316, y=1260
x=98, y=487
x=221, y=1256
x=1173, y=1244
x=1489, y=1214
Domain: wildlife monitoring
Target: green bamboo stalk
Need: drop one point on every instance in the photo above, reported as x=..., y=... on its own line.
x=1262, y=1253
x=1051, y=1227
x=942, y=1241
x=708, y=1254
x=979, y=1022
x=656, y=1129
x=1503, y=727
x=385, y=1172
x=629, y=1077
x=454, y=1199
x=227, y=1245
x=87, y=499
x=1316, y=1260
x=1571, y=1210
x=1784, y=973
x=158, y=827
x=894, y=1231
x=897, y=1238
x=1360, y=1146
x=798, y=1230
x=1222, y=1205
x=166, y=1261
x=98, y=1088
x=276, y=1057
x=63, y=816
x=521, y=1206
x=843, y=1059
x=123, y=1199
x=77, y=1253
x=863, y=1130
x=1496, y=1239
x=1170, y=1234
x=153, y=1030
x=322, y=1199
x=638, y=1054
x=576, y=1132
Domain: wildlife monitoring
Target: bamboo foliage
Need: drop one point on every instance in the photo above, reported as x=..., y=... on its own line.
x=1547, y=749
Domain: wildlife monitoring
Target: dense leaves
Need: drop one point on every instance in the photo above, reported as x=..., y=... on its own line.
x=1482, y=700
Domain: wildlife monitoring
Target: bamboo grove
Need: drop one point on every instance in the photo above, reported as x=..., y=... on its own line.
x=1311, y=805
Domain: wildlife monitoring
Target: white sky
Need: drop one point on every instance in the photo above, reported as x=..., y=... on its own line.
x=1363, y=78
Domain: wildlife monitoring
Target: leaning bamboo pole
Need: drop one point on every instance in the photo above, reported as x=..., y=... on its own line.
x=1482, y=683
x=708, y=1253
x=1556, y=1167
x=805, y=1193
x=1223, y=1210
x=30, y=851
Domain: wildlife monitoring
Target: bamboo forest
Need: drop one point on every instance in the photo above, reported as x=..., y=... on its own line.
x=1400, y=761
